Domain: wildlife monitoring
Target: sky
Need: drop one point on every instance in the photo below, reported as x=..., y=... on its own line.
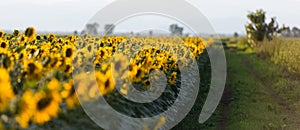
x=226, y=16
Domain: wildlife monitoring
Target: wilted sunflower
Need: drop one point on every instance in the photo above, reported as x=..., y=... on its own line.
x=6, y=92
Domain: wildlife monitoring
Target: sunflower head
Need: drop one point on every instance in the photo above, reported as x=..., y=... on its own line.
x=1, y=34
x=6, y=91
x=3, y=44
x=33, y=69
x=25, y=109
x=30, y=33
x=105, y=82
x=69, y=51
x=47, y=106
x=16, y=33
x=51, y=37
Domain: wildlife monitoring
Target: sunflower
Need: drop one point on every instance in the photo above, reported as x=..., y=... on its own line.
x=3, y=45
x=47, y=106
x=1, y=34
x=6, y=91
x=160, y=123
x=16, y=33
x=51, y=37
x=33, y=69
x=68, y=51
x=105, y=82
x=69, y=95
x=132, y=71
x=172, y=78
x=26, y=108
x=30, y=33
x=53, y=84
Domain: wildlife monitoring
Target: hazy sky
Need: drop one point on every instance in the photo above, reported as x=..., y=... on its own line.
x=226, y=16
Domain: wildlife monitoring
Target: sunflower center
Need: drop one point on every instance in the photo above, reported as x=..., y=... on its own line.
x=69, y=52
x=3, y=45
x=44, y=102
x=107, y=84
x=31, y=67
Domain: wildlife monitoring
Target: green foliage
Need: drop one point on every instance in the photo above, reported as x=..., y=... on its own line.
x=257, y=30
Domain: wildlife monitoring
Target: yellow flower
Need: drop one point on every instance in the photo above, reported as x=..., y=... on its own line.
x=47, y=106
x=105, y=82
x=26, y=108
x=132, y=70
x=54, y=84
x=33, y=69
x=68, y=51
x=1, y=34
x=16, y=33
x=51, y=37
x=6, y=92
x=4, y=45
x=69, y=95
x=160, y=123
x=172, y=78
x=30, y=33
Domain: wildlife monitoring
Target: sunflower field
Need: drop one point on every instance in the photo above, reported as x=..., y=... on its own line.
x=37, y=72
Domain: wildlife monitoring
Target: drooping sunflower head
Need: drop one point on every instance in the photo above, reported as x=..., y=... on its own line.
x=16, y=33
x=30, y=33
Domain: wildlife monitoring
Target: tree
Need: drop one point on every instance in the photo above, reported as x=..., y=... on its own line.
x=236, y=34
x=92, y=28
x=257, y=30
x=109, y=29
x=176, y=30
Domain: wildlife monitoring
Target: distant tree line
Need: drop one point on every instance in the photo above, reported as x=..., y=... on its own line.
x=93, y=29
x=288, y=32
x=258, y=29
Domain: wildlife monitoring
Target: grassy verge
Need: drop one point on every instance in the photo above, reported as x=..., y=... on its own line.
x=260, y=94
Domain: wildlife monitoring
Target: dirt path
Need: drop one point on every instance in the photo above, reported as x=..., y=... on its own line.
x=265, y=96
x=292, y=116
x=225, y=102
